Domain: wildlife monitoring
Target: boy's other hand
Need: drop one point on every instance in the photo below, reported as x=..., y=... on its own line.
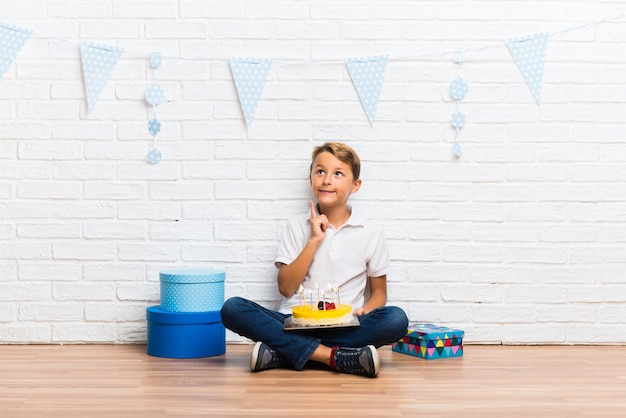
x=359, y=311
x=319, y=223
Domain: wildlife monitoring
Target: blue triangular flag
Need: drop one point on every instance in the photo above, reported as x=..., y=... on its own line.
x=529, y=53
x=98, y=63
x=249, y=75
x=12, y=39
x=367, y=74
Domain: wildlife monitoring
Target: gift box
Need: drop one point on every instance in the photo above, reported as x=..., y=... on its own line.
x=192, y=290
x=185, y=335
x=430, y=342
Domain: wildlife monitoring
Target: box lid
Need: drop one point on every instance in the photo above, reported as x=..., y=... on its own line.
x=158, y=315
x=416, y=332
x=192, y=276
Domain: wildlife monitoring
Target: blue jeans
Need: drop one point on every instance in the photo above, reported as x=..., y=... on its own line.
x=378, y=327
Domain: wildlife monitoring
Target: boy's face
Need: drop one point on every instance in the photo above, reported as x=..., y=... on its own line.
x=332, y=181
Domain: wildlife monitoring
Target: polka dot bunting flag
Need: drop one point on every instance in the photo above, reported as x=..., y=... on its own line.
x=529, y=54
x=249, y=75
x=98, y=63
x=367, y=75
x=12, y=39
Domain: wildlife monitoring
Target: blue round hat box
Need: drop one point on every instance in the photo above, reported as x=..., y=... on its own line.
x=185, y=335
x=192, y=290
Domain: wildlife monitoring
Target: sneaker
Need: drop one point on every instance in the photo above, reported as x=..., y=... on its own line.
x=363, y=361
x=264, y=358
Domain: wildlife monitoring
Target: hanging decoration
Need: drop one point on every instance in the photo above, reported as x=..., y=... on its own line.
x=529, y=53
x=12, y=39
x=367, y=75
x=249, y=75
x=154, y=96
x=458, y=91
x=98, y=64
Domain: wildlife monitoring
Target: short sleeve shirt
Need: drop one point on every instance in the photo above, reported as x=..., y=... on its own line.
x=345, y=259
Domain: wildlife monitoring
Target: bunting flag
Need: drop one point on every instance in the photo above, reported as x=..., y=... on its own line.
x=12, y=39
x=367, y=74
x=529, y=53
x=249, y=75
x=98, y=63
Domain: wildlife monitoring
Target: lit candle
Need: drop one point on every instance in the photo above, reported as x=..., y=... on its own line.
x=311, y=298
x=302, y=300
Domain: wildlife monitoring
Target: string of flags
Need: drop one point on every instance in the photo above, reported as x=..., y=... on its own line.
x=250, y=74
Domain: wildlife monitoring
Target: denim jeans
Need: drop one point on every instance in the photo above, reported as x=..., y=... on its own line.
x=249, y=319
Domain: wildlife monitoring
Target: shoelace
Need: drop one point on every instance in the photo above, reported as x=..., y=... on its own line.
x=275, y=360
x=349, y=360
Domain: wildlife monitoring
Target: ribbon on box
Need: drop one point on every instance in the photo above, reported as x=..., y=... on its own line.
x=12, y=39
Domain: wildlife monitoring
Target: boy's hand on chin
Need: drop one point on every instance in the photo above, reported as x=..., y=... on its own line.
x=319, y=223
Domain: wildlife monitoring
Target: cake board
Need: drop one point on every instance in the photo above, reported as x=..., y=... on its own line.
x=288, y=325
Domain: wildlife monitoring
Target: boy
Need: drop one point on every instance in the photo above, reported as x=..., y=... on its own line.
x=330, y=243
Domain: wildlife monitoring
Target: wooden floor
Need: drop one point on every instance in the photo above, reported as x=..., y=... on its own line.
x=489, y=381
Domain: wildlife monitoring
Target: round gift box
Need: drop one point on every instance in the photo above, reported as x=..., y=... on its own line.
x=192, y=290
x=185, y=335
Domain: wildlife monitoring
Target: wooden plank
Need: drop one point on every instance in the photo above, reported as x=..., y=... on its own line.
x=489, y=381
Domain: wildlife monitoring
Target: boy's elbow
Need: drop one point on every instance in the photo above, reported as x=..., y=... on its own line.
x=285, y=285
x=286, y=291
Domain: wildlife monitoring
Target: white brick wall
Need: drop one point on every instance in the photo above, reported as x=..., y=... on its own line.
x=521, y=241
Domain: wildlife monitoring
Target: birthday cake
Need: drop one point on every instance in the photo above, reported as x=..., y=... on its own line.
x=329, y=314
x=322, y=313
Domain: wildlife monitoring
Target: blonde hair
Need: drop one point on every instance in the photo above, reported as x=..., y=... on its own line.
x=343, y=153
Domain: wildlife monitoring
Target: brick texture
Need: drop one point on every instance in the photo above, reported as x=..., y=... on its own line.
x=520, y=241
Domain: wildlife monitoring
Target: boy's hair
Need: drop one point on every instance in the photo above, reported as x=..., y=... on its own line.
x=343, y=153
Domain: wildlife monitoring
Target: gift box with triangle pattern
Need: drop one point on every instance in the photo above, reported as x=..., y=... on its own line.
x=430, y=342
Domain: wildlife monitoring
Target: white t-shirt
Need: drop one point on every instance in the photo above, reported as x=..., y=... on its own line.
x=346, y=258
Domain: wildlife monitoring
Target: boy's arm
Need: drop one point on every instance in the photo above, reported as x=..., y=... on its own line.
x=378, y=295
x=290, y=276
